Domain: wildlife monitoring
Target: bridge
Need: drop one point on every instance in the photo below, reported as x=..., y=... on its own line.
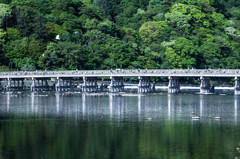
x=63, y=80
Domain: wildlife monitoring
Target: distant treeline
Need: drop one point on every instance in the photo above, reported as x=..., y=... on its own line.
x=109, y=34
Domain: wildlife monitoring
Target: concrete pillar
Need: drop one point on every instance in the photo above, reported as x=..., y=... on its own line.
x=22, y=84
x=9, y=84
x=205, y=85
x=1, y=86
x=57, y=85
x=116, y=84
x=153, y=87
x=173, y=86
x=33, y=84
x=46, y=85
x=237, y=86
x=18, y=83
x=90, y=84
x=144, y=84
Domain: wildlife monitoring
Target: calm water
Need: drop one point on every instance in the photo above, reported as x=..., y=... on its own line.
x=111, y=126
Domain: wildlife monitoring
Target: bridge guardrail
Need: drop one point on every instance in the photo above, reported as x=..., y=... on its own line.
x=127, y=72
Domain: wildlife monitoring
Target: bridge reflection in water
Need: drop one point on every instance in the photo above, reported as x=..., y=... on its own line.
x=80, y=123
x=92, y=80
x=121, y=107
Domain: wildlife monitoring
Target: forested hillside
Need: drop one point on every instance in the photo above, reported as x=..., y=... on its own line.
x=109, y=34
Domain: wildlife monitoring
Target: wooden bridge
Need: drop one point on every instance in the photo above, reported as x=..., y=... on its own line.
x=63, y=80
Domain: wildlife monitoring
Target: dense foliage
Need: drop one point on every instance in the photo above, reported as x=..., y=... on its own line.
x=109, y=34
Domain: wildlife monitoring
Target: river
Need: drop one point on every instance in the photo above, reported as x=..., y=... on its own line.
x=118, y=126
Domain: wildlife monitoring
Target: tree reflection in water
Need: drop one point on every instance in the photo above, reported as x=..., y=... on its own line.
x=113, y=126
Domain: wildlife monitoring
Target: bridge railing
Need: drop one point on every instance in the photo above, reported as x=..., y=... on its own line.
x=127, y=72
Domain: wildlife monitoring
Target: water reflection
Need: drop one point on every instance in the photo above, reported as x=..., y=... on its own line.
x=114, y=126
x=83, y=105
x=57, y=102
x=169, y=106
x=139, y=106
x=201, y=106
x=32, y=102
x=110, y=105
x=8, y=102
x=118, y=108
x=235, y=109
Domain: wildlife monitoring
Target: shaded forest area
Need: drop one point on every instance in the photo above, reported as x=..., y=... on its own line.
x=109, y=34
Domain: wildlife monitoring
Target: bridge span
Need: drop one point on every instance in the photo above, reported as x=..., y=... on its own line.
x=63, y=80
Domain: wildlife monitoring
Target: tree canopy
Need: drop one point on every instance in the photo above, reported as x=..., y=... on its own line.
x=109, y=34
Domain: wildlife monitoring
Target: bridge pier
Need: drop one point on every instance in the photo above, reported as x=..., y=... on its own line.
x=237, y=86
x=90, y=84
x=33, y=85
x=173, y=86
x=9, y=84
x=40, y=84
x=144, y=84
x=205, y=85
x=15, y=84
x=116, y=84
x=64, y=84
x=1, y=86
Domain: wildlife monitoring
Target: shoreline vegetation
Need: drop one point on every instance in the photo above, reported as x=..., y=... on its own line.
x=110, y=34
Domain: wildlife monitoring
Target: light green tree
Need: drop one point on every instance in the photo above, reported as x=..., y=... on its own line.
x=182, y=54
x=5, y=12
x=151, y=31
x=2, y=43
x=219, y=20
x=177, y=20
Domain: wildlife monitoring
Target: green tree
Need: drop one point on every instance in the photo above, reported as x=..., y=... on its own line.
x=182, y=54
x=156, y=5
x=5, y=13
x=24, y=18
x=211, y=53
x=151, y=31
x=13, y=34
x=24, y=64
x=110, y=28
x=177, y=20
x=2, y=44
x=64, y=55
x=218, y=20
x=17, y=49
x=39, y=31
x=35, y=49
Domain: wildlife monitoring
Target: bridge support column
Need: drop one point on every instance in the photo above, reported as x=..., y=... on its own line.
x=40, y=84
x=205, y=86
x=144, y=84
x=33, y=84
x=90, y=84
x=15, y=84
x=1, y=86
x=64, y=84
x=57, y=84
x=173, y=86
x=9, y=82
x=237, y=86
x=116, y=84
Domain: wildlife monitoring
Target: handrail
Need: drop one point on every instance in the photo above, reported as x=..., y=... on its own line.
x=121, y=72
